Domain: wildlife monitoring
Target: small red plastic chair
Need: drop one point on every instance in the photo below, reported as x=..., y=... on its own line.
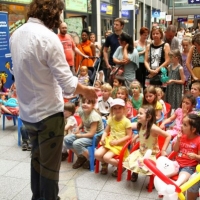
x=120, y=158
x=168, y=110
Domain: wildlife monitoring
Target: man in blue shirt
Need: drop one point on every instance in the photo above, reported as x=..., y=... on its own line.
x=113, y=43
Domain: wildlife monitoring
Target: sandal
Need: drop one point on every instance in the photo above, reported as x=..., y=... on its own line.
x=104, y=168
x=115, y=173
x=134, y=177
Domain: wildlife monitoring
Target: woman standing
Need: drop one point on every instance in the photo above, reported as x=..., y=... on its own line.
x=156, y=56
x=87, y=48
x=127, y=57
x=194, y=58
x=141, y=45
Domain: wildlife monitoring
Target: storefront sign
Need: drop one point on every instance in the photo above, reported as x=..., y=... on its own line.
x=180, y=19
x=5, y=55
x=127, y=5
x=76, y=5
x=193, y=1
x=126, y=14
x=156, y=13
x=168, y=18
x=17, y=1
x=196, y=16
x=107, y=9
x=162, y=15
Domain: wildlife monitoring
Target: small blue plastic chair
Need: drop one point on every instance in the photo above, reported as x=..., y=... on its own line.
x=14, y=117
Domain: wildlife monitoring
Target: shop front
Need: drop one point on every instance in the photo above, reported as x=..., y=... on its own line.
x=77, y=15
x=109, y=11
x=17, y=10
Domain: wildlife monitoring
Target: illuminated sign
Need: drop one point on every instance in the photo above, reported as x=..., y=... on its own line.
x=76, y=5
x=17, y=1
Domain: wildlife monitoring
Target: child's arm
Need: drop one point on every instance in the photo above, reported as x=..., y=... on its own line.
x=125, y=53
x=158, y=114
x=135, y=137
x=91, y=133
x=134, y=125
x=182, y=81
x=168, y=120
x=157, y=130
x=124, y=139
x=105, y=134
x=194, y=156
x=177, y=142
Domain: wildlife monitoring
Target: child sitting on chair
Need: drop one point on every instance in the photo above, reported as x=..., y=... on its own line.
x=83, y=77
x=71, y=125
x=105, y=100
x=11, y=105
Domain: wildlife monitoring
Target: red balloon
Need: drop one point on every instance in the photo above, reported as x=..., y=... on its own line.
x=152, y=166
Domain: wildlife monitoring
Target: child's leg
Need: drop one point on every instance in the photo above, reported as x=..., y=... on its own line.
x=68, y=141
x=182, y=178
x=80, y=146
x=108, y=158
x=99, y=153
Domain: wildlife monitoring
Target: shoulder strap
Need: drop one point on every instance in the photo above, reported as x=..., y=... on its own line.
x=150, y=54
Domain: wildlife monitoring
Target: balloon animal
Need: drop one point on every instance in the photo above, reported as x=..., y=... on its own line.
x=165, y=185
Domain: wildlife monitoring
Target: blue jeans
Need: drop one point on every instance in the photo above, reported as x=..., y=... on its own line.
x=78, y=144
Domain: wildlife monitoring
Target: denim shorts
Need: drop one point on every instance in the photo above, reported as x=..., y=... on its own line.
x=189, y=170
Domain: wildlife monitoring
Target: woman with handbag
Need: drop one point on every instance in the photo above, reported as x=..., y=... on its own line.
x=156, y=56
x=194, y=58
x=126, y=58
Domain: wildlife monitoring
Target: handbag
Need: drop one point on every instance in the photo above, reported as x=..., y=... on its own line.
x=155, y=80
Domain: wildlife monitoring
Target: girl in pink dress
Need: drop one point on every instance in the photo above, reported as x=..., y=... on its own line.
x=187, y=105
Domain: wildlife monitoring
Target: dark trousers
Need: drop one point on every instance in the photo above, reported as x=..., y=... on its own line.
x=46, y=138
x=141, y=74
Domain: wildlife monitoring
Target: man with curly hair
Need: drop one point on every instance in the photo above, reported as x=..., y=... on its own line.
x=41, y=74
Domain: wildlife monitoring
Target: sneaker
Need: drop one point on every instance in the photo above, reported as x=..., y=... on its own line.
x=29, y=146
x=79, y=162
x=24, y=146
x=64, y=156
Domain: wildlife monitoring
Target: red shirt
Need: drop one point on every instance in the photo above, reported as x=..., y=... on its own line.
x=188, y=146
x=68, y=46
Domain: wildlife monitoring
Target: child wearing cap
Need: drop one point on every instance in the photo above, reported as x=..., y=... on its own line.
x=116, y=134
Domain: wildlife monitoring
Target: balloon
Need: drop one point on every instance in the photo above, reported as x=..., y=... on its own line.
x=192, y=181
x=12, y=102
x=164, y=78
x=152, y=166
x=148, y=153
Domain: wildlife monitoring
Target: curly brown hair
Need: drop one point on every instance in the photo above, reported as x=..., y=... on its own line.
x=48, y=11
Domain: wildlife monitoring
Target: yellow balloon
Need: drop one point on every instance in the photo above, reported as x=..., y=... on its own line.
x=190, y=182
x=181, y=196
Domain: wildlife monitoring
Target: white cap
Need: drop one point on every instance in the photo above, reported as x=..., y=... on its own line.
x=117, y=101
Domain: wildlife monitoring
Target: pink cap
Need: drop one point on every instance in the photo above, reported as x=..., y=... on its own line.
x=117, y=101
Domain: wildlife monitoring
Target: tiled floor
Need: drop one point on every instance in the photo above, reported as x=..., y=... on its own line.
x=74, y=184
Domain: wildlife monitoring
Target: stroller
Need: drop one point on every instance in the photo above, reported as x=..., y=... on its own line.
x=92, y=71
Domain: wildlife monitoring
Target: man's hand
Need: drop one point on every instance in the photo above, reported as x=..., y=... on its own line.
x=90, y=93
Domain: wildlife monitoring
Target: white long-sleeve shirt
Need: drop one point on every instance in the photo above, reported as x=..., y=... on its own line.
x=40, y=71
